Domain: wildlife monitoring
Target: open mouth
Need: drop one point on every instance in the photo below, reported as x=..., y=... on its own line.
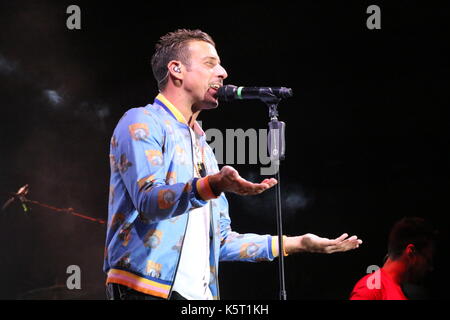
x=215, y=87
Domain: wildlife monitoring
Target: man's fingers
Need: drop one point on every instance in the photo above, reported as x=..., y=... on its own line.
x=241, y=186
x=348, y=244
x=245, y=187
x=272, y=182
x=269, y=182
x=250, y=188
x=340, y=239
x=353, y=239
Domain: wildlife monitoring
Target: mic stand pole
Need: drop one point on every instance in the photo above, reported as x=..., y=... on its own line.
x=276, y=146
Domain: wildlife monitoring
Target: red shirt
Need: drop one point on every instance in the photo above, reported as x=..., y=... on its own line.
x=377, y=286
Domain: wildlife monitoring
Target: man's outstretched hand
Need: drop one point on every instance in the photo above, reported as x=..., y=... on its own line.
x=312, y=243
x=229, y=180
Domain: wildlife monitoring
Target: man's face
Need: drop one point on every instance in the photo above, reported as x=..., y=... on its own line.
x=202, y=74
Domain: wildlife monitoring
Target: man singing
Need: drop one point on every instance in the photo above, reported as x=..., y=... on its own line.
x=168, y=224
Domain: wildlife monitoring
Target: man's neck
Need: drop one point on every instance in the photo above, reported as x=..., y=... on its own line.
x=396, y=269
x=184, y=105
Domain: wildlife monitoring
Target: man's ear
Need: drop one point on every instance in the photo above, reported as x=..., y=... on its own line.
x=410, y=250
x=175, y=69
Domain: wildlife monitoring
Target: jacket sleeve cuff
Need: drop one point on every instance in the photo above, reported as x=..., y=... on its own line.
x=202, y=189
x=274, y=246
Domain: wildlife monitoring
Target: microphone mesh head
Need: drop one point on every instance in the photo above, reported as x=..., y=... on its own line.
x=226, y=93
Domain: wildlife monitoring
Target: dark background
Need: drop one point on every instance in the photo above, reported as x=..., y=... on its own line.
x=367, y=131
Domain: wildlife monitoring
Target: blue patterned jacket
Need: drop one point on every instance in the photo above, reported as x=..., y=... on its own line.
x=152, y=190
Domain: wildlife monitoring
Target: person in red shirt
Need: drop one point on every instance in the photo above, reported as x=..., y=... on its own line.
x=409, y=258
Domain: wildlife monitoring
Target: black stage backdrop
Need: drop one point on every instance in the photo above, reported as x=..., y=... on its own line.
x=367, y=131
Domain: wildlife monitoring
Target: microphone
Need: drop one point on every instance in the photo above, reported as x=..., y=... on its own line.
x=229, y=93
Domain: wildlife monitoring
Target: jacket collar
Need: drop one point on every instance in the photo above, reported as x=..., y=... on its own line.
x=170, y=108
x=175, y=113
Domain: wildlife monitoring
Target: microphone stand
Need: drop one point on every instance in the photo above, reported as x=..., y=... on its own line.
x=21, y=196
x=276, y=148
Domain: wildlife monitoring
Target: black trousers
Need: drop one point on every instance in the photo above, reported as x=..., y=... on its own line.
x=116, y=291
